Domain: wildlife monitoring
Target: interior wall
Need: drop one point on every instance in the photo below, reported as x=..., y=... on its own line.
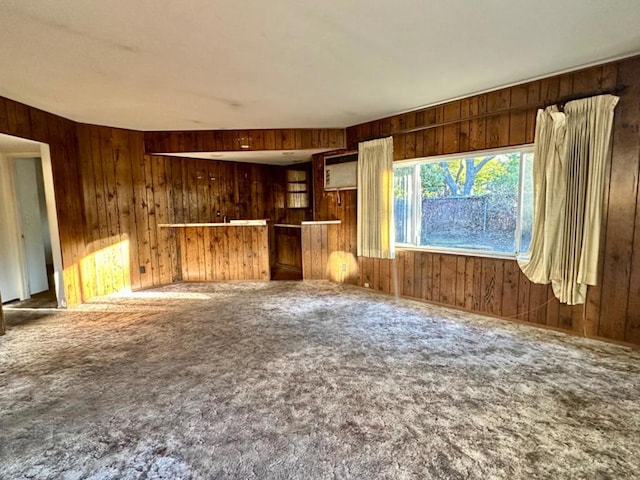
x=333, y=205
x=498, y=287
x=128, y=193
x=30, y=123
x=110, y=196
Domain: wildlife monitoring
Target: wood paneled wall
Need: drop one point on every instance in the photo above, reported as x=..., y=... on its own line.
x=484, y=285
x=202, y=188
x=342, y=206
x=243, y=140
x=289, y=248
x=223, y=253
x=320, y=252
x=110, y=197
x=27, y=122
x=506, y=117
x=128, y=193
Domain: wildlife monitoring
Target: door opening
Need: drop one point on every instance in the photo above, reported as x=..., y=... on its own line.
x=31, y=262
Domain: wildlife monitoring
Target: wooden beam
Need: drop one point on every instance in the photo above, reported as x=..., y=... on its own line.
x=244, y=140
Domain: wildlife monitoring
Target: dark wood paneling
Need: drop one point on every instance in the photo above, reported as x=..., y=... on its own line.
x=110, y=197
x=234, y=140
x=27, y=122
x=506, y=117
x=288, y=247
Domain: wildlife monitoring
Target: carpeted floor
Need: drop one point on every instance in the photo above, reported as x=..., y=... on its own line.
x=307, y=380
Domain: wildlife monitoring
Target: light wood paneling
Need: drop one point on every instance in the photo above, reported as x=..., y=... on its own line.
x=289, y=246
x=320, y=260
x=222, y=253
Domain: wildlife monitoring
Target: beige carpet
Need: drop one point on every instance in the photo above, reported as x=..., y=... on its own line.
x=307, y=380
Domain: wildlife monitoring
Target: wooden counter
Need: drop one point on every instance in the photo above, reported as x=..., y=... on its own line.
x=222, y=251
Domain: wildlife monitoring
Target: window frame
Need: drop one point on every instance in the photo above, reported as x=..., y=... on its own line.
x=415, y=214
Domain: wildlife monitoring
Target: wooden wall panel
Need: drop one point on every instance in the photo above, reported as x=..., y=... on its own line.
x=621, y=218
x=110, y=198
x=289, y=247
x=125, y=197
x=342, y=206
x=111, y=195
x=184, y=190
x=30, y=123
x=320, y=260
x=223, y=253
x=506, y=117
x=235, y=140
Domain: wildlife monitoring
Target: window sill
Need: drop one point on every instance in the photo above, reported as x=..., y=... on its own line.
x=460, y=252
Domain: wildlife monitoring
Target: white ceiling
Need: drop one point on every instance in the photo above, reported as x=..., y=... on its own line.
x=269, y=157
x=203, y=64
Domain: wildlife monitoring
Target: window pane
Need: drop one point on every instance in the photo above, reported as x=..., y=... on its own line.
x=527, y=202
x=402, y=194
x=470, y=203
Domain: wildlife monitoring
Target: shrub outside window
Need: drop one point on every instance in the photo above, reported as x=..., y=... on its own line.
x=479, y=203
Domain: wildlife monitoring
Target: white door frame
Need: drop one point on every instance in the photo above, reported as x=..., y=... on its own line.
x=52, y=217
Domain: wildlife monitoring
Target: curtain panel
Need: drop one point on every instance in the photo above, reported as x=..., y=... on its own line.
x=375, y=199
x=571, y=152
x=549, y=175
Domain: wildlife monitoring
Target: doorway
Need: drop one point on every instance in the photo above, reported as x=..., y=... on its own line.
x=30, y=257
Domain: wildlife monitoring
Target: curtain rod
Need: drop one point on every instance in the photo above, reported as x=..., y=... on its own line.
x=561, y=102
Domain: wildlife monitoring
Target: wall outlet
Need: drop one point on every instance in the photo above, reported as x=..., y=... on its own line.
x=344, y=267
x=366, y=285
x=143, y=269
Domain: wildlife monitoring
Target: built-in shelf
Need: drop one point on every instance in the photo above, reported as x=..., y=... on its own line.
x=297, y=189
x=322, y=222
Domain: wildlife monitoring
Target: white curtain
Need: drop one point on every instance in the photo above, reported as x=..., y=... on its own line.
x=375, y=198
x=571, y=151
x=549, y=175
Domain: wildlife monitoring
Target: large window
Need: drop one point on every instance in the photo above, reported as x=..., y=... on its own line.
x=480, y=202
